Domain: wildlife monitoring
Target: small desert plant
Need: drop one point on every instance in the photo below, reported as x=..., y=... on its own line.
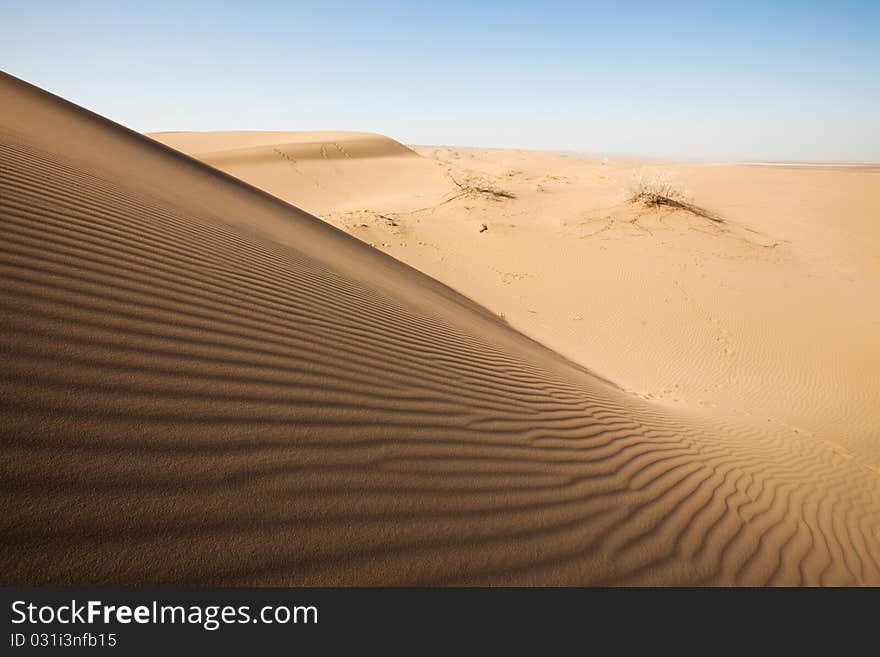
x=659, y=189
x=481, y=187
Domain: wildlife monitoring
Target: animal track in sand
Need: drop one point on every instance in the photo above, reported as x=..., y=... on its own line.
x=292, y=161
x=356, y=219
x=342, y=150
x=509, y=277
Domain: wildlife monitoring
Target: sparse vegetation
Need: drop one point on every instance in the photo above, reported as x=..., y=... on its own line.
x=659, y=190
x=480, y=187
x=389, y=220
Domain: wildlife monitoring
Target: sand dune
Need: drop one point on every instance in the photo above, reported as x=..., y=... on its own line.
x=203, y=384
x=234, y=145
x=308, y=168
x=767, y=316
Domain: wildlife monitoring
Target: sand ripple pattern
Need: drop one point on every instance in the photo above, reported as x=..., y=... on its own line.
x=182, y=402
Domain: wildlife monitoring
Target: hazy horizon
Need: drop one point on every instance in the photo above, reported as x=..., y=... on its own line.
x=792, y=82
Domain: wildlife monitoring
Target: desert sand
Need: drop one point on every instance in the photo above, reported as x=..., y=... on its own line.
x=328, y=358
x=769, y=314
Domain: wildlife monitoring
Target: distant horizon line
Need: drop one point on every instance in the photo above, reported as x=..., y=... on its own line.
x=855, y=164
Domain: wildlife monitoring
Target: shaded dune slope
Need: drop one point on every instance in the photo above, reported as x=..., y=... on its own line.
x=202, y=384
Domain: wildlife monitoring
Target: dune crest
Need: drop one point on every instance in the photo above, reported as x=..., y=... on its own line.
x=355, y=169
x=316, y=145
x=203, y=384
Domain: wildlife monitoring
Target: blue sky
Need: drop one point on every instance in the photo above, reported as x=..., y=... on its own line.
x=733, y=80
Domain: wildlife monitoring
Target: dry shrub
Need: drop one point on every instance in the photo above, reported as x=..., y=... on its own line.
x=481, y=187
x=658, y=189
